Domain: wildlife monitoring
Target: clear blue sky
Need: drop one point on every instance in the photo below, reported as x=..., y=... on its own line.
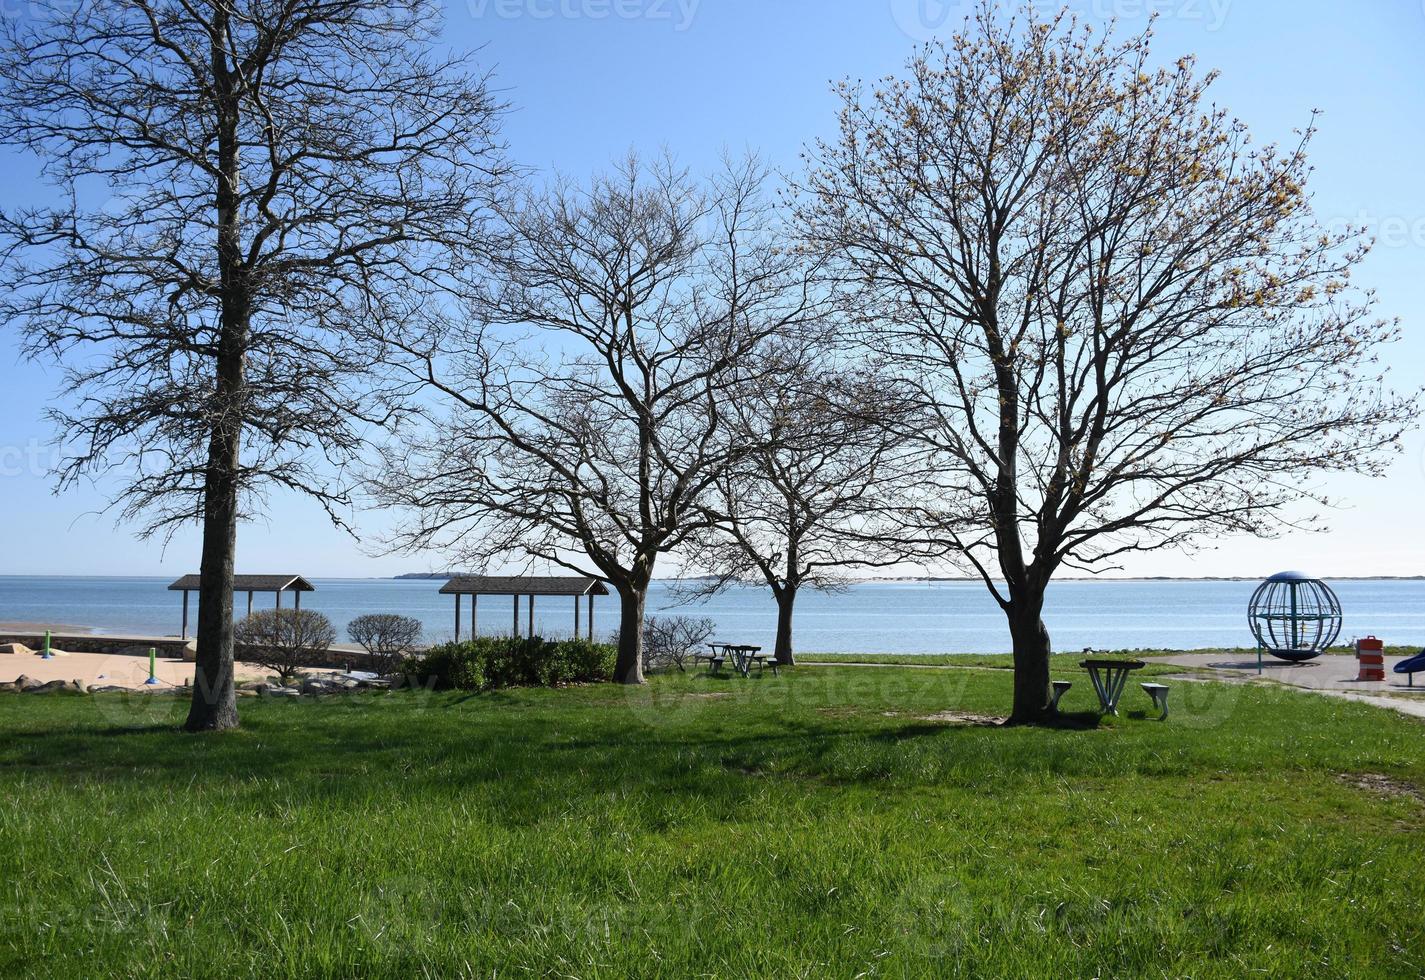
x=591, y=78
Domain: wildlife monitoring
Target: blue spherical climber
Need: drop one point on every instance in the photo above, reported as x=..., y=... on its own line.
x=1294, y=616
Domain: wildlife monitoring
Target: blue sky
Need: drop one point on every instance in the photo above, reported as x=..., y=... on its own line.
x=590, y=79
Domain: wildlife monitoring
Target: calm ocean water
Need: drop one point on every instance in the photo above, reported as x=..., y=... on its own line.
x=882, y=617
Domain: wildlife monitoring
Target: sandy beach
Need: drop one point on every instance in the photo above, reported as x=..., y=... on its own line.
x=105, y=669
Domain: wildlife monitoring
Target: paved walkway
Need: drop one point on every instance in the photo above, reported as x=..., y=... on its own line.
x=1334, y=676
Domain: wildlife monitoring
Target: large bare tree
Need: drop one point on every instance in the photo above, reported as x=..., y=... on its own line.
x=243, y=187
x=820, y=482
x=591, y=382
x=1125, y=320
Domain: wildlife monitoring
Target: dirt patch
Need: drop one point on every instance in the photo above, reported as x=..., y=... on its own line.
x=965, y=719
x=1379, y=784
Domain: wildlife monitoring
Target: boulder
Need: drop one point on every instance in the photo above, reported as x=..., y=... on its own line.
x=278, y=691
x=50, y=688
x=15, y=648
x=25, y=683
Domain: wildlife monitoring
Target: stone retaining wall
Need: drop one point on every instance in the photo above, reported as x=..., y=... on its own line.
x=135, y=646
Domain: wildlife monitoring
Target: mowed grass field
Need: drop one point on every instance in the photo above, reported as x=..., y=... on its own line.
x=828, y=823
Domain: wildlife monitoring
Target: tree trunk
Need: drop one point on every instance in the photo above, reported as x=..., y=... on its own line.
x=629, y=667
x=214, y=705
x=1031, y=664
x=786, y=598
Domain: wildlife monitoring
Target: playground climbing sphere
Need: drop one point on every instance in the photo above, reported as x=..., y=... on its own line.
x=1295, y=617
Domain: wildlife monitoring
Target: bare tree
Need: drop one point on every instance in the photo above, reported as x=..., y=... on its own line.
x=387, y=638
x=1126, y=322
x=590, y=384
x=672, y=641
x=280, y=176
x=819, y=487
x=287, y=641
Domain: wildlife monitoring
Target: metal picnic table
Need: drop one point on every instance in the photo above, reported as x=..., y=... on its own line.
x=742, y=656
x=1109, y=678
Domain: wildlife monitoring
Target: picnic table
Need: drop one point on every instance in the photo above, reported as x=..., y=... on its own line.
x=1109, y=677
x=743, y=657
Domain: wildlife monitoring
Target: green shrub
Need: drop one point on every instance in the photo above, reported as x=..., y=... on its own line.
x=490, y=663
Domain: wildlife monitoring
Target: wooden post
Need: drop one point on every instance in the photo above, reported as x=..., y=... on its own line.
x=249, y=602
x=297, y=597
x=474, y=617
x=185, y=614
x=457, y=617
x=531, y=617
x=278, y=593
x=591, y=616
x=515, y=630
x=576, y=617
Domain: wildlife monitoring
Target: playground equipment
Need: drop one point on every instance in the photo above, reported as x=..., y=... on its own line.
x=1412, y=666
x=1294, y=617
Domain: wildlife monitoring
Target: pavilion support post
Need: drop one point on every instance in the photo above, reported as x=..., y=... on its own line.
x=576, y=617
x=249, y=602
x=515, y=630
x=474, y=617
x=591, y=617
x=297, y=598
x=531, y=617
x=457, y=617
x=278, y=594
x=185, y=614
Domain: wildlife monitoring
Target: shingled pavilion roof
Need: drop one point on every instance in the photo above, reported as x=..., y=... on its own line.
x=250, y=583
x=573, y=585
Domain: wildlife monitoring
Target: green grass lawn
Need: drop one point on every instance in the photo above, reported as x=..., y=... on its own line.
x=820, y=824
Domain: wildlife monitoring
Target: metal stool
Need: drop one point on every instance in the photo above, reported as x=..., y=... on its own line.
x=1060, y=689
x=1159, y=694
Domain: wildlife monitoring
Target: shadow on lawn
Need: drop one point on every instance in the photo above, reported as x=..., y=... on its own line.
x=448, y=742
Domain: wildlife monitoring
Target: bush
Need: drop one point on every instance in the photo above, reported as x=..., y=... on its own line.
x=671, y=641
x=286, y=641
x=490, y=663
x=388, y=639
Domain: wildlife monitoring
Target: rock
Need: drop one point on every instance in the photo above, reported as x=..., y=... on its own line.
x=278, y=691
x=327, y=685
x=25, y=683
x=108, y=689
x=79, y=686
x=49, y=688
x=15, y=648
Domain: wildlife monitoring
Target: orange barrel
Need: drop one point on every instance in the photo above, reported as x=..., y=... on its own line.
x=1371, y=653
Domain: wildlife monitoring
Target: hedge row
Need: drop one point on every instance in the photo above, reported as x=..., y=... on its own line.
x=490, y=663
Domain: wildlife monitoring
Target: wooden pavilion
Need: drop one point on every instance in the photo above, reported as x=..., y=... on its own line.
x=575, y=587
x=276, y=584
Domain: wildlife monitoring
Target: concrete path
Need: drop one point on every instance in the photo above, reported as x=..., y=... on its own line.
x=1333, y=676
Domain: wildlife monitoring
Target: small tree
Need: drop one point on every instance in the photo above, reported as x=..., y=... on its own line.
x=387, y=638
x=1126, y=326
x=671, y=641
x=819, y=485
x=286, y=641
